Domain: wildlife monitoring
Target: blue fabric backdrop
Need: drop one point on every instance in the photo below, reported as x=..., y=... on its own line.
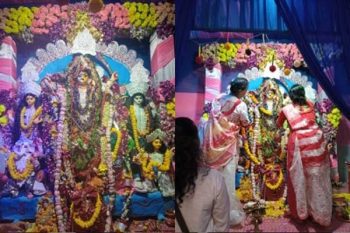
x=256, y=16
x=321, y=31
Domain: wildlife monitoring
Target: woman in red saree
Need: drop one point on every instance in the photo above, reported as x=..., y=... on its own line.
x=221, y=139
x=308, y=169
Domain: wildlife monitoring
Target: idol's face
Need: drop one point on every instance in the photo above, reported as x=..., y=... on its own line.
x=83, y=78
x=138, y=100
x=30, y=100
x=157, y=144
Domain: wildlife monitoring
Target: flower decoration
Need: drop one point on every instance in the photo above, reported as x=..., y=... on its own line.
x=19, y=175
x=2, y=34
x=209, y=51
x=111, y=17
x=227, y=51
x=141, y=14
x=167, y=90
x=207, y=108
x=140, y=33
x=334, y=117
x=325, y=106
x=46, y=17
x=171, y=108
x=3, y=117
x=167, y=111
x=82, y=22
x=248, y=55
x=164, y=30
x=16, y=20
x=210, y=63
x=90, y=222
x=65, y=21
x=329, y=118
x=27, y=36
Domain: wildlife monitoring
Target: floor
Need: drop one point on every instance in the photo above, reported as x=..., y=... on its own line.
x=288, y=225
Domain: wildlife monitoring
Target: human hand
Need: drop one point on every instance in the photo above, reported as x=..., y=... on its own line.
x=114, y=77
x=111, y=81
x=38, y=120
x=152, y=105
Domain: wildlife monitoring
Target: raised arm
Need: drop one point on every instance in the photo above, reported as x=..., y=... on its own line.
x=280, y=120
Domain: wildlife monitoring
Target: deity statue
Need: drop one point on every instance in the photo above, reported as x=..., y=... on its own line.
x=156, y=165
x=271, y=102
x=85, y=95
x=23, y=164
x=87, y=210
x=141, y=123
x=24, y=171
x=28, y=117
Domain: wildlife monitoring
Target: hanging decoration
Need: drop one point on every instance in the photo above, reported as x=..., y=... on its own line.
x=138, y=20
x=248, y=55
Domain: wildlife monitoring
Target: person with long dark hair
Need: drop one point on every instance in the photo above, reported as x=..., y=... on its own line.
x=221, y=139
x=308, y=168
x=200, y=191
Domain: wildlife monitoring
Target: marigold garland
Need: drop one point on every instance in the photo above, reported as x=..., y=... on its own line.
x=251, y=156
x=134, y=126
x=13, y=170
x=265, y=111
x=279, y=181
x=87, y=224
x=148, y=165
x=30, y=124
x=253, y=98
x=165, y=166
x=117, y=144
x=275, y=208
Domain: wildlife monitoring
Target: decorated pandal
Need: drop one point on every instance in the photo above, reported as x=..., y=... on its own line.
x=271, y=69
x=86, y=133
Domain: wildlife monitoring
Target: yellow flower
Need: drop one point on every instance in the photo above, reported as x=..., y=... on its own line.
x=170, y=106
x=205, y=116
x=2, y=108
x=102, y=168
x=15, y=174
x=3, y=121
x=90, y=222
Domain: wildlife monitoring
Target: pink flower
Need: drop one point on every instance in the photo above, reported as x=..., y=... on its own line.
x=44, y=10
x=49, y=23
x=64, y=15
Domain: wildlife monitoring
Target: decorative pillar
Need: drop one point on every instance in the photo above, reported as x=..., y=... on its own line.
x=212, y=83
x=162, y=59
x=8, y=64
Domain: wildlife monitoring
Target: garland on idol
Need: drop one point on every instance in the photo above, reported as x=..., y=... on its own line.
x=15, y=174
x=135, y=131
x=90, y=222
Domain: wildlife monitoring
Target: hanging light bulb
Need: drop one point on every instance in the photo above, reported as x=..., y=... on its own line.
x=273, y=67
x=248, y=52
x=95, y=5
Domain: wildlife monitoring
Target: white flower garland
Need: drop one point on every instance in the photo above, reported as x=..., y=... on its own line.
x=58, y=161
x=110, y=172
